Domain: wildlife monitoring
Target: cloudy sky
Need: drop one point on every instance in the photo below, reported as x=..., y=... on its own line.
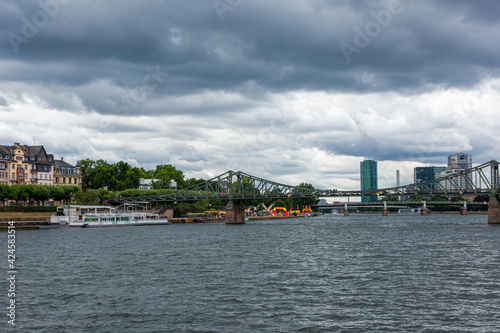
x=295, y=90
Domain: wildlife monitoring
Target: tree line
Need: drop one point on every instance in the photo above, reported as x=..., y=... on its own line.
x=37, y=193
x=122, y=176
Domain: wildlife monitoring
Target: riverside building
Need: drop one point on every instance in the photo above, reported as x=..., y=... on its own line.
x=67, y=174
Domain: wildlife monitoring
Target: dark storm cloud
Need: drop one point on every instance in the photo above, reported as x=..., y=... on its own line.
x=280, y=46
x=181, y=71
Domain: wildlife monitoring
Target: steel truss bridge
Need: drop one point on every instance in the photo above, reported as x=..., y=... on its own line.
x=236, y=186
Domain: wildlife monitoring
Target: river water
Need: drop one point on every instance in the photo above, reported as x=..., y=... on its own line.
x=362, y=273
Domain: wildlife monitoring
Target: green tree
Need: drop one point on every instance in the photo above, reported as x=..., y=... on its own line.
x=116, y=177
x=304, y=201
x=437, y=197
x=391, y=198
x=415, y=197
x=132, y=177
x=57, y=193
x=5, y=192
x=164, y=174
x=13, y=193
x=180, y=209
x=87, y=197
x=87, y=170
x=69, y=191
x=22, y=193
x=193, y=181
x=103, y=195
x=41, y=194
x=280, y=203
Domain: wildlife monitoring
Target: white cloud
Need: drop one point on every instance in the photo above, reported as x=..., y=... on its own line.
x=291, y=137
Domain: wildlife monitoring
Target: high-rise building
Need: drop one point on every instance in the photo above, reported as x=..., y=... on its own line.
x=459, y=161
x=369, y=178
x=452, y=183
x=425, y=174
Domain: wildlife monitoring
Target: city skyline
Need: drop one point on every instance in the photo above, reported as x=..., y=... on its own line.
x=295, y=91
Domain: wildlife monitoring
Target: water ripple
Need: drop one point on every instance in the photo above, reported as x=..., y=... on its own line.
x=362, y=273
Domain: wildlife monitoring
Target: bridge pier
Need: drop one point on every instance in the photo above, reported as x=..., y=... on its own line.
x=463, y=210
x=493, y=211
x=235, y=213
x=423, y=211
x=346, y=210
x=384, y=210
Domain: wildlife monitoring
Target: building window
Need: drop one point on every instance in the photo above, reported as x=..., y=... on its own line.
x=50, y=176
x=64, y=180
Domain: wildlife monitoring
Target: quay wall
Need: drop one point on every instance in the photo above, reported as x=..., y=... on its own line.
x=23, y=223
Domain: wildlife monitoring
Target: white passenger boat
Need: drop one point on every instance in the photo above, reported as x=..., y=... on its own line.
x=102, y=216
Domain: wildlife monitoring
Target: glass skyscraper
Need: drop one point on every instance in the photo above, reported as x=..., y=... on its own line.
x=369, y=178
x=425, y=174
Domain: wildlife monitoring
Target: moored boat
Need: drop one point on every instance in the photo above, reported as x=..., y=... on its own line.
x=102, y=216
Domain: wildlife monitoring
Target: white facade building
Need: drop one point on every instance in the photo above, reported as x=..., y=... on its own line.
x=459, y=161
x=146, y=184
x=455, y=181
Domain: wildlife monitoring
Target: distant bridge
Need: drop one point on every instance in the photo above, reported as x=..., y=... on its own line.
x=396, y=204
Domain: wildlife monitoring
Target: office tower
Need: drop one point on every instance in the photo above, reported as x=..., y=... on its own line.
x=459, y=161
x=369, y=178
x=425, y=174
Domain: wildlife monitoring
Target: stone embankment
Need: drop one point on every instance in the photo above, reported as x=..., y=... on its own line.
x=24, y=222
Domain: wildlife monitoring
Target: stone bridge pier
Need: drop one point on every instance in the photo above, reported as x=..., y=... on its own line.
x=493, y=211
x=423, y=211
x=235, y=213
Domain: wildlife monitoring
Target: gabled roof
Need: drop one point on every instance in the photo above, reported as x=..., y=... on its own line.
x=5, y=150
x=33, y=150
x=64, y=164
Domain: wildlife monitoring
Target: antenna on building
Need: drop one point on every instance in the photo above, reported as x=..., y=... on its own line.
x=34, y=140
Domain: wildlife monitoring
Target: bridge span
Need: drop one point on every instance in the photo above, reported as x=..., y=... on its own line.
x=237, y=187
